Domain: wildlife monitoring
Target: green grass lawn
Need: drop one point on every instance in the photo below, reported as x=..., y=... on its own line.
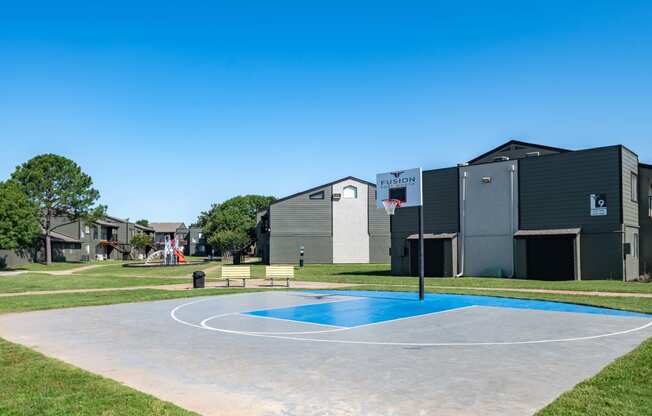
x=55, y=267
x=376, y=274
x=29, y=282
x=379, y=274
x=120, y=270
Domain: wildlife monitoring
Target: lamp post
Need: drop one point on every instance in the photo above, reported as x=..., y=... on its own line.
x=127, y=236
x=301, y=252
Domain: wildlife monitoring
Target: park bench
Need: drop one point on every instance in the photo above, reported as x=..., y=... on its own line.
x=236, y=273
x=279, y=273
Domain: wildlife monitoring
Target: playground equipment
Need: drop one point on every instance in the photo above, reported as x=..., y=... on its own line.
x=170, y=255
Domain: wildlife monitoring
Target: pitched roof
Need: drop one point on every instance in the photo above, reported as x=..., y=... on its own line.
x=60, y=237
x=520, y=143
x=107, y=223
x=323, y=186
x=143, y=227
x=166, y=227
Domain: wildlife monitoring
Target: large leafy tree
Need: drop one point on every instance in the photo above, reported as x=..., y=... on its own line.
x=230, y=225
x=19, y=225
x=142, y=242
x=143, y=222
x=57, y=187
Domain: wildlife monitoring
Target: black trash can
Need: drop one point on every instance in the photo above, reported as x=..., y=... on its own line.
x=237, y=258
x=198, y=281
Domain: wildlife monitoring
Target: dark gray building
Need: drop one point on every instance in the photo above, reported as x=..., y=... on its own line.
x=645, y=219
x=197, y=244
x=531, y=211
x=337, y=222
x=74, y=241
x=174, y=230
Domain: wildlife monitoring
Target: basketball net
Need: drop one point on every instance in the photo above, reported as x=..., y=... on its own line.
x=391, y=205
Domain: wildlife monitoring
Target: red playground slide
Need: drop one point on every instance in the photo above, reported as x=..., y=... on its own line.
x=180, y=257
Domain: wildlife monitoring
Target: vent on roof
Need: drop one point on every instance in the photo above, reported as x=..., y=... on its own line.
x=501, y=159
x=532, y=154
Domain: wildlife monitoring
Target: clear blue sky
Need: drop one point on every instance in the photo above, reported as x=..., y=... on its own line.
x=172, y=107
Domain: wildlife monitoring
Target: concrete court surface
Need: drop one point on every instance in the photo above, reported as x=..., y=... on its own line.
x=206, y=355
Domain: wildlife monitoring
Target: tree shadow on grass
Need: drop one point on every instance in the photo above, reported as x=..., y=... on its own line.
x=376, y=273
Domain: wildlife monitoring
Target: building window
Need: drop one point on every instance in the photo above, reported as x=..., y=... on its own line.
x=350, y=192
x=96, y=235
x=635, y=250
x=634, y=187
x=317, y=195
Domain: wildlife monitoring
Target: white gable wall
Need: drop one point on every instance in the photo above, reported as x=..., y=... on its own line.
x=351, y=224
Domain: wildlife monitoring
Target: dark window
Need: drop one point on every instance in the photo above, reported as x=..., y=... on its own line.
x=317, y=195
x=634, y=187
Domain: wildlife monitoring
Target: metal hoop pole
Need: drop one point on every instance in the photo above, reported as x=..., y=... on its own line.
x=421, y=257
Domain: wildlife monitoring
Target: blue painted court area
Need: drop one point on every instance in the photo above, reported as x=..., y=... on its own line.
x=366, y=307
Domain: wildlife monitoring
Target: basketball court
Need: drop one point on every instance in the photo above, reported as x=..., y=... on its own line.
x=339, y=352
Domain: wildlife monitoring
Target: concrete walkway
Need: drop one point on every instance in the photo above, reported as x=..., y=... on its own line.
x=251, y=284
x=13, y=273
x=54, y=272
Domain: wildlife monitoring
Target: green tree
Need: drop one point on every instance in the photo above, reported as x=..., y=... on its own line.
x=143, y=222
x=230, y=225
x=141, y=242
x=57, y=187
x=229, y=240
x=19, y=225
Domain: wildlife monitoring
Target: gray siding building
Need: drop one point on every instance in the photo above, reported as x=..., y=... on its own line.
x=74, y=241
x=335, y=223
x=197, y=244
x=645, y=219
x=531, y=211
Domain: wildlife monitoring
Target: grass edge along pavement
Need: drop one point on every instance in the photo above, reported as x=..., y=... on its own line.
x=33, y=384
x=16, y=304
x=621, y=389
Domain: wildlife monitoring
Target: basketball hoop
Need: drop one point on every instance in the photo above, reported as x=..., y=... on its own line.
x=391, y=205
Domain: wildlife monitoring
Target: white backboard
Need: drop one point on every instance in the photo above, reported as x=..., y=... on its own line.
x=401, y=184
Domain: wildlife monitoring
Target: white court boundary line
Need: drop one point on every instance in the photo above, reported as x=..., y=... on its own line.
x=395, y=344
x=175, y=310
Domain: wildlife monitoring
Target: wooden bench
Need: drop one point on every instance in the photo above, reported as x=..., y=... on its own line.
x=236, y=273
x=279, y=273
